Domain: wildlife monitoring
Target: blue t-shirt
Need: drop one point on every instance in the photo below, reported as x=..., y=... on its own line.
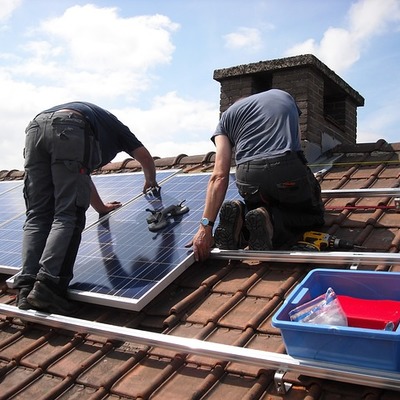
x=112, y=134
x=262, y=125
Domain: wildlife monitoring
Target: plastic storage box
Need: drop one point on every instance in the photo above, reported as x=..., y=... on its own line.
x=370, y=348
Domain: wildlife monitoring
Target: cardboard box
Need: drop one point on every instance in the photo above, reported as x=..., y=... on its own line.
x=370, y=348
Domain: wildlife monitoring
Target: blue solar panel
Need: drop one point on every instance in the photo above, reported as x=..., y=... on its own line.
x=11, y=245
x=122, y=263
x=121, y=187
x=12, y=216
x=6, y=186
x=12, y=201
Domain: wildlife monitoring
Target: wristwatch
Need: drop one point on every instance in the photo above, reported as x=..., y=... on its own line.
x=206, y=222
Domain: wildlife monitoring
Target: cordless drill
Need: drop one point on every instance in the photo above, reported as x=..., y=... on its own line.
x=321, y=241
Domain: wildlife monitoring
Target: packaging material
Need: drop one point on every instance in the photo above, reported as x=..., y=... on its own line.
x=324, y=309
x=364, y=347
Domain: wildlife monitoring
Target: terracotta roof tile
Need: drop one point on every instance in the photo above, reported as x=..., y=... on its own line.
x=247, y=313
x=211, y=308
x=262, y=342
x=138, y=378
x=199, y=378
x=231, y=386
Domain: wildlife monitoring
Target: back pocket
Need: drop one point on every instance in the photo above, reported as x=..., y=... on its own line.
x=69, y=140
x=294, y=191
x=249, y=192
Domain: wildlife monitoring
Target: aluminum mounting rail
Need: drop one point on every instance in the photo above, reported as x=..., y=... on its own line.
x=310, y=257
x=265, y=359
x=371, y=192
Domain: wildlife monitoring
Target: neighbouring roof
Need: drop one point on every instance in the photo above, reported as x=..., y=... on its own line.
x=221, y=301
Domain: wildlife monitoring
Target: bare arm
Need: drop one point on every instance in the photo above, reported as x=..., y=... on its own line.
x=145, y=159
x=98, y=204
x=215, y=195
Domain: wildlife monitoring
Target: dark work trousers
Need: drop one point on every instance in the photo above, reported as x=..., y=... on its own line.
x=287, y=188
x=57, y=195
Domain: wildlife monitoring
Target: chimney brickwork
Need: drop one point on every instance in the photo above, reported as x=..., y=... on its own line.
x=328, y=104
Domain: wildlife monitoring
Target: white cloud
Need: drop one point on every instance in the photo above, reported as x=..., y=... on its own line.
x=160, y=127
x=88, y=45
x=249, y=38
x=7, y=8
x=340, y=48
x=98, y=40
x=372, y=17
x=87, y=53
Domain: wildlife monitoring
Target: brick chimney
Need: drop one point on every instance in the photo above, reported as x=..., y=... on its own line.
x=328, y=103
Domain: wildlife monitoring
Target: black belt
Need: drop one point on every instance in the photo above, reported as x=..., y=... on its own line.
x=70, y=112
x=272, y=160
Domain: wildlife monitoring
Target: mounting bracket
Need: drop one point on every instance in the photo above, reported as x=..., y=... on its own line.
x=281, y=386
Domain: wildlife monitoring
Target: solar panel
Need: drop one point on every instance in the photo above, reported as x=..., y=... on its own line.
x=12, y=215
x=12, y=200
x=6, y=186
x=121, y=187
x=122, y=263
x=11, y=245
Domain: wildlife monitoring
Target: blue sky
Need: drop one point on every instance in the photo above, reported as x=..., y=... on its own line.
x=151, y=62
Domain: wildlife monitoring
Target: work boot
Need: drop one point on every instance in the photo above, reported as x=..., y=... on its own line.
x=227, y=233
x=22, y=302
x=259, y=225
x=43, y=298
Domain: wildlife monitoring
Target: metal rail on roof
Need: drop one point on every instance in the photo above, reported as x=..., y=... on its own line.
x=370, y=192
x=309, y=257
x=280, y=362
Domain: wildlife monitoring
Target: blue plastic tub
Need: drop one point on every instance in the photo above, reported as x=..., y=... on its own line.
x=368, y=348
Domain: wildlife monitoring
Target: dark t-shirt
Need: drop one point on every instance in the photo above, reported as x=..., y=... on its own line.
x=262, y=125
x=112, y=134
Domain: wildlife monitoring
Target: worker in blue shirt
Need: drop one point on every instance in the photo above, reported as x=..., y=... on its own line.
x=281, y=198
x=63, y=145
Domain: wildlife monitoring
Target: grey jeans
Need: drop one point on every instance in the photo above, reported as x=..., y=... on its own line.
x=287, y=188
x=57, y=195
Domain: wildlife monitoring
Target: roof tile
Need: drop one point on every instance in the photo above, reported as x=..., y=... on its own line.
x=212, y=308
x=190, y=380
x=246, y=313
x=145, y=377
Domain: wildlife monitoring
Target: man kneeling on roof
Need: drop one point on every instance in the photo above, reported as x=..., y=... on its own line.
x=281, y=196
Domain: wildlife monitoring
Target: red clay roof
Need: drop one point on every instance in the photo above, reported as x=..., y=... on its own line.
x=228, y=302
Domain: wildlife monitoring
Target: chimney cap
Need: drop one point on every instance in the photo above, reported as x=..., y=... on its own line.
x=305, y=60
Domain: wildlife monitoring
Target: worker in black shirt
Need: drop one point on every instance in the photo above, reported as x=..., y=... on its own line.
x=63, y=145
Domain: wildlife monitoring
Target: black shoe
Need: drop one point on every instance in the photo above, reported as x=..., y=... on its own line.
x=259, y=225
x=43, y=298
x=22, y=302
x=227, y=233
